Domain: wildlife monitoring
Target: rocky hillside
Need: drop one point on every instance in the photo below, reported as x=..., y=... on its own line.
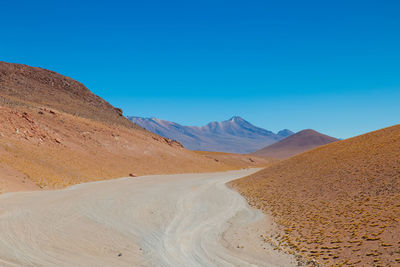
x=54, y=132
x=30, y=86
x=235, y=135
x=295, y=144
x=338, y=204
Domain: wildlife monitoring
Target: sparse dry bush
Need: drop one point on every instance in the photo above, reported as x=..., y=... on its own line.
x=337, y=204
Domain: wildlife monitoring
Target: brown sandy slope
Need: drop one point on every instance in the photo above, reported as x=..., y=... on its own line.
x=240, y=160
x=295, y=144
x=54, y=132
x=337, y=204
x=26, y=86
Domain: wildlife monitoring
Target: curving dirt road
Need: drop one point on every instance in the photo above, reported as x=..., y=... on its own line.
x=168, y=220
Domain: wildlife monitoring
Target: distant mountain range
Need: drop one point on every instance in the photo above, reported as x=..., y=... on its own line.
x=295, y=144
x=235, y=135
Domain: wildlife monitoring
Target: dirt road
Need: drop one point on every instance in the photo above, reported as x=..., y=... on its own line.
x=168, y=220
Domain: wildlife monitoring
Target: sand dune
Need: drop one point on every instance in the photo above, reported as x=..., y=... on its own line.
x=168, y=220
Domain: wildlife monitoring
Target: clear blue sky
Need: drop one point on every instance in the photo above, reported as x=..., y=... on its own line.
x=333, y=66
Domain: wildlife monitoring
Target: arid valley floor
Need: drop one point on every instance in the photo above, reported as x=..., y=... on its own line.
x=165, y=220
x=307, y=199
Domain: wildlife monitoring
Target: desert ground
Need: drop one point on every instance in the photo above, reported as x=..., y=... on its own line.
x=338, y=204
x=335, y=204
x=160, y=220
x=43, y=148
x=54, y=132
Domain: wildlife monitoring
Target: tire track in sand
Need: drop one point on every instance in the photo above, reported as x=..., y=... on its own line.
x=163, y=220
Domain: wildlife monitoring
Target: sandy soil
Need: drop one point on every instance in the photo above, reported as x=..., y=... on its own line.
x=164, y=220
x=54, y=133
x=13, y=181
x=53, y=150
x=239, y=160
x=338, y=204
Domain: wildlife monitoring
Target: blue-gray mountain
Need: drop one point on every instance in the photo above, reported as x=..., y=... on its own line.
x=235, y=135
